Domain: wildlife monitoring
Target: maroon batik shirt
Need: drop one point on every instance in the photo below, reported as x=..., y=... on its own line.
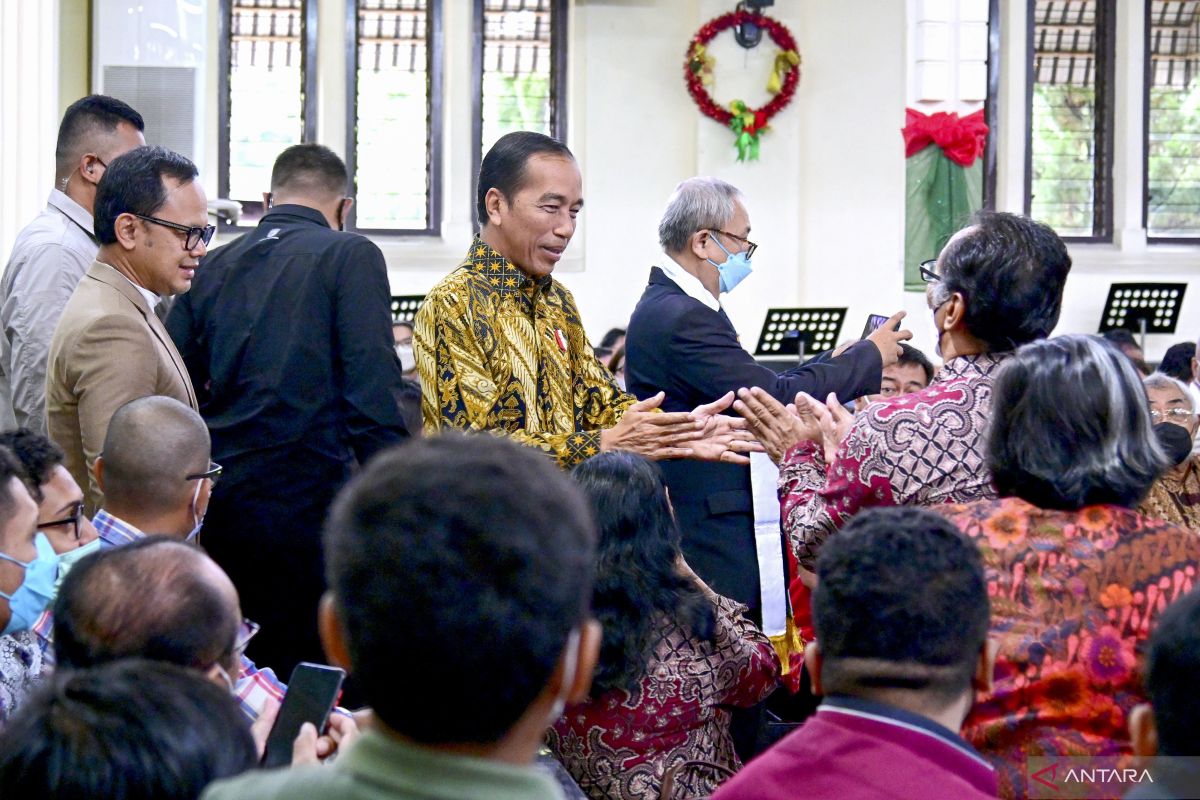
x=924, y=448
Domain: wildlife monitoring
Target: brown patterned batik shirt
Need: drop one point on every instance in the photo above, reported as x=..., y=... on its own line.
x=499, y=351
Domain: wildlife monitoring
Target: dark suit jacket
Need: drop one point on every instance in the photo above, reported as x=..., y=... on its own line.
x=678, y=345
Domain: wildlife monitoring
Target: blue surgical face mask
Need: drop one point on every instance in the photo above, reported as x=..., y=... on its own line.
x=72, y=557
x=734, y=270
x=36, y=592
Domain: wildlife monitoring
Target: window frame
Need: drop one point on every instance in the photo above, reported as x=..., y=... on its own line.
x=991, y=107
x=1147, y=85
x=1105, y=69
x=434, y=106
x=559, y=35
x=308, y=102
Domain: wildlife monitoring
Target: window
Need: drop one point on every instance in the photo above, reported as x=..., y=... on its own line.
x=1068, y=162
x=520, y=66
x=1172, y=125
x=266, y=96
x=394, y=120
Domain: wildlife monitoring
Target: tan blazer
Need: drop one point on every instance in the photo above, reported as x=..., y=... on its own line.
x=109, y=348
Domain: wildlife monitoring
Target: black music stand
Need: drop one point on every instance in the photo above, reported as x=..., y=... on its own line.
x=404, y=306
x=793, y=334
x=1142, y=307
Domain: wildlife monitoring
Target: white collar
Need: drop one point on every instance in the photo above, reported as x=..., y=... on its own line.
x=151, y=298
x=77, y=213
x=689, y=283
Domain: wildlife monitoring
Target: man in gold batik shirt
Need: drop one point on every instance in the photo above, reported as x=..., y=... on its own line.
x=500, y=346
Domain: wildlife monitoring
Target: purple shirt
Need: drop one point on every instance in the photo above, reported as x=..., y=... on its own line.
x=853, y=748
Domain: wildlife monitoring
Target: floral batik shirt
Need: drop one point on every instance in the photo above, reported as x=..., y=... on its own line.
x=924, y=448
x=1074, y=596
x=499, y=351
x=618, y=746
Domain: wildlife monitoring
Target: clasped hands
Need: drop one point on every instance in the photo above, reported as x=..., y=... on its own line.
x=779, y=428
x=704, y=434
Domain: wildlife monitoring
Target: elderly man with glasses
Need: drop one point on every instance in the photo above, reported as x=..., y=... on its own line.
x=997, y=285
x=156, y=476
x=151, y=219
x=681, y=342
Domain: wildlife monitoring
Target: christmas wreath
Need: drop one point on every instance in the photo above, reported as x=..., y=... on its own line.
x=746, y=122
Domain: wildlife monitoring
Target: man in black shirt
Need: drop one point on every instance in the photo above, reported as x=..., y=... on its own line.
x=287, y=336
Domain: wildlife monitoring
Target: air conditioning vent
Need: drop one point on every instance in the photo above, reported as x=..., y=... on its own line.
x=165, y=97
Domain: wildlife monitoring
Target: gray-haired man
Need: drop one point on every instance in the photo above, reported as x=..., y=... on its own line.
x=681, y=342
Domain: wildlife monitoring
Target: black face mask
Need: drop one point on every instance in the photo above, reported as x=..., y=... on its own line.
x=1175, y=440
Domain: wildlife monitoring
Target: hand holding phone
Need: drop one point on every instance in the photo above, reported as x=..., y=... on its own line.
x=873, y=323
x=311, y=695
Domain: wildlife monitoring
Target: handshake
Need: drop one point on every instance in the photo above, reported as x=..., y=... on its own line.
x=765, y=425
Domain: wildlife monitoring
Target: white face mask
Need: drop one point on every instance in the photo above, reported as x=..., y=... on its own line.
x=407, y=360
x=570, y=664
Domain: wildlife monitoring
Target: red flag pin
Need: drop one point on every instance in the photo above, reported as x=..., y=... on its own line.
x=561, y=339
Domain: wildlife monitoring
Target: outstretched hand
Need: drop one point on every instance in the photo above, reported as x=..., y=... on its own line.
x=654, y=435
x=776, y=426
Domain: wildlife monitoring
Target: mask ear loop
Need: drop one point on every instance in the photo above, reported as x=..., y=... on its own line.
x=570, y=664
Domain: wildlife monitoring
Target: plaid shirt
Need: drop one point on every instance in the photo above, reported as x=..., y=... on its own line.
x=254, y=686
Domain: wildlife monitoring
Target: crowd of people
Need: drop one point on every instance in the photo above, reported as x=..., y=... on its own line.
x=212, y=470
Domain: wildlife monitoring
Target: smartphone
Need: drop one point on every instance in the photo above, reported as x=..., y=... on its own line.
x=873, y=323
x=311, y=695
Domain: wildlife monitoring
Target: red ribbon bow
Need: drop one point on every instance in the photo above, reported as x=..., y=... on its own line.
x=961, y=138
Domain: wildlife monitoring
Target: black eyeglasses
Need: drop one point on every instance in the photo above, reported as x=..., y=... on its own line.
x=72, y=520
x=927, y=271
x=750, y=246
x=194, y=236
x=213, y=473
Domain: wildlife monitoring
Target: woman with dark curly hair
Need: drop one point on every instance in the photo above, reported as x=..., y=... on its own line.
x=675, y=656
x=1075, y=574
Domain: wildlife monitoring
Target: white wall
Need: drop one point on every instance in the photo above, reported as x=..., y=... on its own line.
x=826, y=199
x=28, y=112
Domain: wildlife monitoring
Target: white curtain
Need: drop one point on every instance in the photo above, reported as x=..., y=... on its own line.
x=28, y=112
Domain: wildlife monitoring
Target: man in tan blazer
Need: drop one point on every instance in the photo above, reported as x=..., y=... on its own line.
x=151, y=219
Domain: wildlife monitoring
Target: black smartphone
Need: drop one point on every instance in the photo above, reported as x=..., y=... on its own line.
x=311, y=695
x=873, y=323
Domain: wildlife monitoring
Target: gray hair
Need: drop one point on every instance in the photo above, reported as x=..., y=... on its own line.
x=1160, y=380
x=698, y=204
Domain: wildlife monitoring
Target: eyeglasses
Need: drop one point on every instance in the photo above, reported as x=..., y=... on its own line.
x=194, y=236
x=1171, y=414
x=246, y=631
x=928, y=273
x=213, y=473
x=72, y=520
x=750, y=246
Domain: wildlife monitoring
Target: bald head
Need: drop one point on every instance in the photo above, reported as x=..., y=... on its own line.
x=156, y=598
x=152, y=445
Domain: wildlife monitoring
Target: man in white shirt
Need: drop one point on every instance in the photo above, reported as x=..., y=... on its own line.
x=53, y=252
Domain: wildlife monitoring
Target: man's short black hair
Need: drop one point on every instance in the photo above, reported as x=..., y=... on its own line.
x=452, y=559
x=309, y=169
x=133, y=730
x=96, y=112
x=911, y=355
x=38, y=457
x=900, y=602
x=1011, y=271
x=503, y=167
x=1171, y=669
x=133, y=184
x=148, y=599
x=10, y=467
x=1177, y=361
